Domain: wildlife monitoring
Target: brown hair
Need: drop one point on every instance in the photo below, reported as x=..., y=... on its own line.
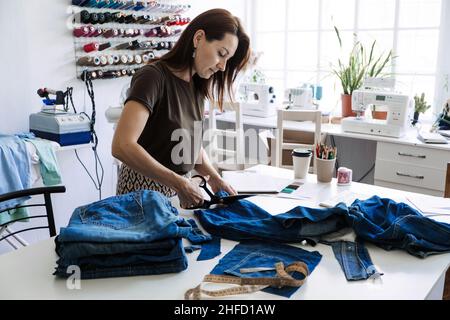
x=215, y=23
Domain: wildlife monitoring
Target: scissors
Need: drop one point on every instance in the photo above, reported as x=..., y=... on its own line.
x=215, y=199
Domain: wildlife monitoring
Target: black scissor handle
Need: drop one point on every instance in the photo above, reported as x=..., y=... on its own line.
x=204, y=186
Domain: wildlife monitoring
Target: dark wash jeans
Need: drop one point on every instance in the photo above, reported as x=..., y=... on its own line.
x=383, y=222
x=255, y=254
x=133, y=234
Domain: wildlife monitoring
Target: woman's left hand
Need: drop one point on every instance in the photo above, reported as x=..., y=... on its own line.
x=220, y=184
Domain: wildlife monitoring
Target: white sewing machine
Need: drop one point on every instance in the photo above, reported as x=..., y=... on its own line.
x=300, y=98
x=257, y=100
x=398, y=106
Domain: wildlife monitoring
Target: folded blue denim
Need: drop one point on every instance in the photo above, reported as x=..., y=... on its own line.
x=141, y=216
x=132, y=234
x=260, y=254
x=128, y=264
x=124, y=253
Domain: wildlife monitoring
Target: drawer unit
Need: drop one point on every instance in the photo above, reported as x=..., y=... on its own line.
x=421, y=156
x=417, y=176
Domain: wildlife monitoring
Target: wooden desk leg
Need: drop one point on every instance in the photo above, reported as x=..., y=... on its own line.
x=446, y=295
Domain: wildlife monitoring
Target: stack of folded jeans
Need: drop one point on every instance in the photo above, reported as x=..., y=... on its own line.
x=138, y=233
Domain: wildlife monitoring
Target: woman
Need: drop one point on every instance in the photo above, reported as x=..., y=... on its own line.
x=164, y=108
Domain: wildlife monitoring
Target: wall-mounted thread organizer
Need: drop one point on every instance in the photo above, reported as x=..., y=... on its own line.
x=114, y=38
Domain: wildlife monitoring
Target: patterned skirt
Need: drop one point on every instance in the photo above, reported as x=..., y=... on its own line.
x=130, y=181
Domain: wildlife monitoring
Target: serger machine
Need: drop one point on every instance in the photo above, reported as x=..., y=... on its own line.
x=257, y=100
x=398, y=106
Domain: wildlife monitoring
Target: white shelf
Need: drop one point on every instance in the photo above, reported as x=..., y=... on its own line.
x=73, y=147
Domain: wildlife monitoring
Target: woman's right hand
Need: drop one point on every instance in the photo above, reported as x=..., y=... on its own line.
x=189, y=193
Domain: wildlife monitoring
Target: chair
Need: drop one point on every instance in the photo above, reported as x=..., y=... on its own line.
x=295, y=115
x=446, y=294
x=223, y=158
x=46, y=192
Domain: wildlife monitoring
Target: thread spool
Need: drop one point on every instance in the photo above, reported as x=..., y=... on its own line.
x=93, y=46
x=344, y=176
x=104, y=46
x=137, y=59
x=88, y=61
x=81, y=32
x=108, y=33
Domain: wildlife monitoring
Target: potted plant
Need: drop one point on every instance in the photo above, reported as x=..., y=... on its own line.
x=420, y=106
x=359, y=66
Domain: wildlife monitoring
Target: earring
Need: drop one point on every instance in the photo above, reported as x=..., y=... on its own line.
x=193, y=54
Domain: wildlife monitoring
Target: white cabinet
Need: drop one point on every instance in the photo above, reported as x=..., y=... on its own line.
x=411, y=168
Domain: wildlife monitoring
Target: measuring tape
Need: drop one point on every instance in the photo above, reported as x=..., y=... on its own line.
x=250, y=285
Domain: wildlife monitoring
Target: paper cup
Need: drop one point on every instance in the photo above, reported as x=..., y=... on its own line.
x=301, y=158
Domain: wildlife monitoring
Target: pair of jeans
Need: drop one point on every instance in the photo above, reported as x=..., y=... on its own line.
x=132, y=234
x=141, y=216
x=134, y=263
x=243, y=220
x=391, y=225
x=260, y=254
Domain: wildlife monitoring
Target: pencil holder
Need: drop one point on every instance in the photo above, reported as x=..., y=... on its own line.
x=325, y=169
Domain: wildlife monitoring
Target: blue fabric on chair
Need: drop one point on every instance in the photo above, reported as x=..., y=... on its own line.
x=14, y=174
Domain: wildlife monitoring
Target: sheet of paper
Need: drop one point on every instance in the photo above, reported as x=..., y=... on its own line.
x=253, y=182
x=344, y=196
x=431, y=206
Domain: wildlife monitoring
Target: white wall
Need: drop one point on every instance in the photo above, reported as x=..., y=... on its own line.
x=37, y=51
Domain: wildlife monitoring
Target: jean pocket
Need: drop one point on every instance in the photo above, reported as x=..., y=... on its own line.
x=119, y=212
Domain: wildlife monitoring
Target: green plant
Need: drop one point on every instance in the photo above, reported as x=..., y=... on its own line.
x=420, y=104
x=360, y=65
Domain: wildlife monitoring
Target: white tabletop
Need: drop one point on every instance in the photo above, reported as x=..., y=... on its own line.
x=27, y=273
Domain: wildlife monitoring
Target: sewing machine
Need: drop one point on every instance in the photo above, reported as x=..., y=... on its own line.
x=257, y=99
x=300, y=98
x=398, y=106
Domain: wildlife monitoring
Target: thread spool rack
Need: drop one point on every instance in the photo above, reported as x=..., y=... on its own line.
x=114, y=38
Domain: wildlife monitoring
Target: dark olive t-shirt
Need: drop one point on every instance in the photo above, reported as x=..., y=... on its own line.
x=173, y=132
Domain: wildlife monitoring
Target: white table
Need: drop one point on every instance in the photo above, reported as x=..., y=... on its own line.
x=27, y=273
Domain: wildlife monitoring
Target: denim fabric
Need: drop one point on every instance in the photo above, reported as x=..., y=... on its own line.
x=156, y=261
x=91, y=252
x=132, y=234
x=254, y=254
x=393, y=225
x=126, y=270
x=141, y=216
x=210, y=250
x=194, y=247
x=354, y=260
x=243, y=220
x=381, y=221
x=196, y=236
x=14, y=174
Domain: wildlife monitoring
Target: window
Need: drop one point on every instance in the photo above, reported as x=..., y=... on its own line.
x=299, y=44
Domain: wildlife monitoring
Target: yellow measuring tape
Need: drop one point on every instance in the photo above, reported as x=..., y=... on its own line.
x=249, y=285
